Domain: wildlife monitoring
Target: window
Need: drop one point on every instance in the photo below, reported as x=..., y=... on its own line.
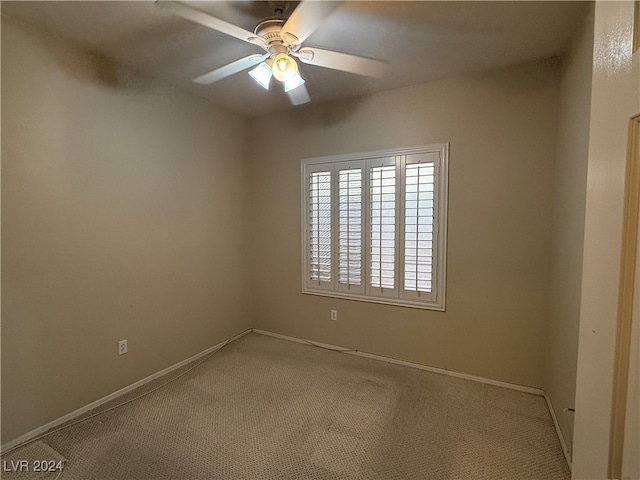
x=374, y=226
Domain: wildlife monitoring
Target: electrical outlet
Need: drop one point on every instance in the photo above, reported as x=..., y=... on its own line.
x=334, y=315
x=122, y=347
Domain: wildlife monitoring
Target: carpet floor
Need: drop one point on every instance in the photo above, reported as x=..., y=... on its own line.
x=265, y=408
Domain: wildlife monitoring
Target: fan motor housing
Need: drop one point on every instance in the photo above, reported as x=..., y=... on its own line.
x=270, y=30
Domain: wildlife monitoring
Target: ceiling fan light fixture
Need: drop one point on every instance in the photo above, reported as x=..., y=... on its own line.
x=262, y=75
x=294, y=82
x=284, y=67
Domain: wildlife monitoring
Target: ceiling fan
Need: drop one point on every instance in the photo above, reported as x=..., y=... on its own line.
x=282, y=40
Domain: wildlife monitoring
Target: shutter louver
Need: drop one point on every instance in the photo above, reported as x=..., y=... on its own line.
x=320, y=226
x=350, y=227
x=383, y=226
x=419, y=227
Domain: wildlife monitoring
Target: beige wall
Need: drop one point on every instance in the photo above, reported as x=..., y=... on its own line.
x=615, y=98
x=502, y=129
x=123, y=216
x=568, y=226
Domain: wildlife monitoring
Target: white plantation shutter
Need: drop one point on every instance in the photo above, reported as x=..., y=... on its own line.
x=420, y=225
x=375, y=226
x=319, y=231
x=382, y=226
x=350, y=229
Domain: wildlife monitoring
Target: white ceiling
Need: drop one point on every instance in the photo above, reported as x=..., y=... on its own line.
x=421, y=41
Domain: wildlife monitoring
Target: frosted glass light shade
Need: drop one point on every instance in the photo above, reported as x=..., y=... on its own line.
x=294, y=82
x=262, y=75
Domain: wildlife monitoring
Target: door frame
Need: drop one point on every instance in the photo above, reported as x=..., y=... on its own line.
x=626, y=298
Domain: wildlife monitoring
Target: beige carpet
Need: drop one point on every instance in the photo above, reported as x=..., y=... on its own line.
x=264, y=408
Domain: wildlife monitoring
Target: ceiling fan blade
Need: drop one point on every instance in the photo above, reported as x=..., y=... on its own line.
x=208, y=20
x=230, y=69
x=307, y=16
x=342, y=61
x=299, y=95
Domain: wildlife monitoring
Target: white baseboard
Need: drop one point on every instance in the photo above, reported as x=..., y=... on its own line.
x=441, y=371
x=565, y=449
x=76, y=413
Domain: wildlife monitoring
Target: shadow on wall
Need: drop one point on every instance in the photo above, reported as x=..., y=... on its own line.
x=324, y=115
x=95, y=68
x=514, y=80
x=534, y=76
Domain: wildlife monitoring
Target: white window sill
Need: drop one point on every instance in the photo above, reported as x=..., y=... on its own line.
x=383, y=301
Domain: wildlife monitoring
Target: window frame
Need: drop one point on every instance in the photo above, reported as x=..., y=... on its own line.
x=334, y=163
